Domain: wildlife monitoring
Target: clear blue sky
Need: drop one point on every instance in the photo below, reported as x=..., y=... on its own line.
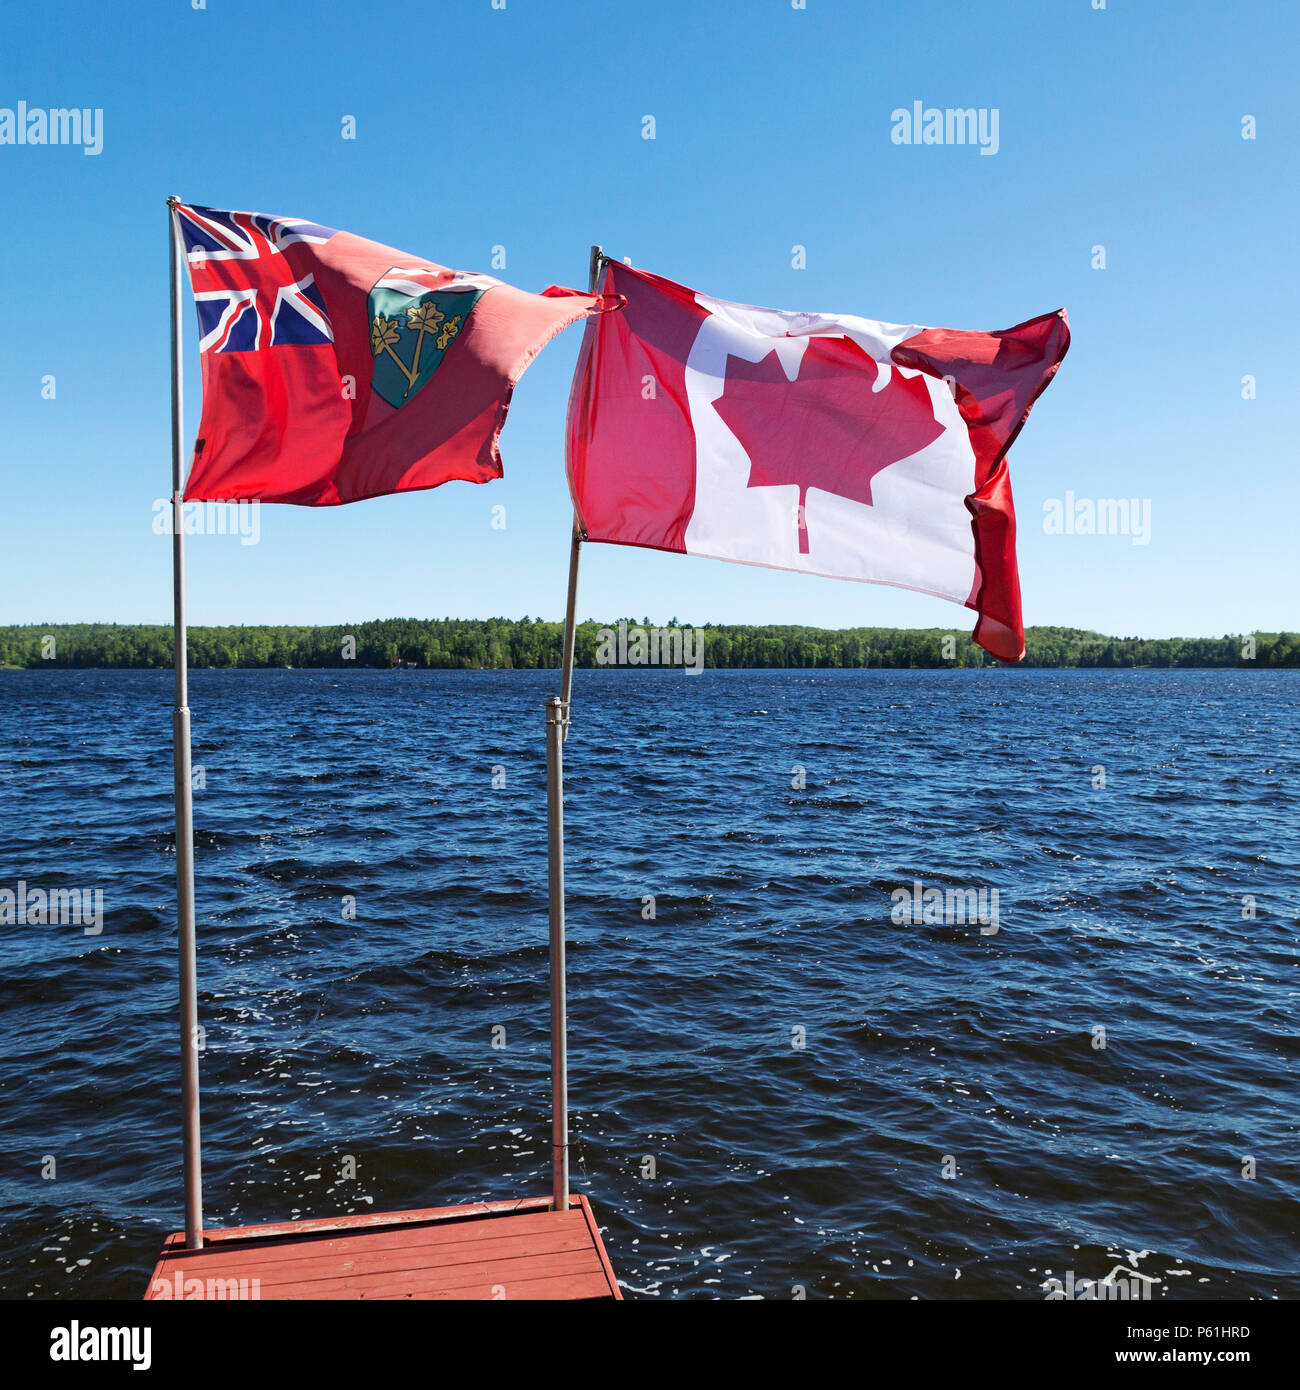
x=522, y=127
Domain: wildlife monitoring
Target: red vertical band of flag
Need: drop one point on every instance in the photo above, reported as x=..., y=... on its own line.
x=997, y=378
x=632, y=470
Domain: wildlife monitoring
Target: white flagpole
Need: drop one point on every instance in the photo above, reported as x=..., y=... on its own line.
x=557, y=730
x=183, y=789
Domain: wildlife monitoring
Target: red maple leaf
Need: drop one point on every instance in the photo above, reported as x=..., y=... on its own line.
x=826, y=429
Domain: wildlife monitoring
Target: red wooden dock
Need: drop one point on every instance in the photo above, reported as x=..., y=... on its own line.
x=494, y=1250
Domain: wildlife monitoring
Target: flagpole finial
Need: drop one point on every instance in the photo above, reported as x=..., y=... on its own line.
x=172, y=199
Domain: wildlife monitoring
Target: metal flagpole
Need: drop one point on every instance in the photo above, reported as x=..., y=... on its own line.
x=570, y=628
x=183, y=788
x=557, y=730
x=575, y=554
x=559, y=1021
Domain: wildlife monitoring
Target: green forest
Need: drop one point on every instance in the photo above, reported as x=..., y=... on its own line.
x=529, y=643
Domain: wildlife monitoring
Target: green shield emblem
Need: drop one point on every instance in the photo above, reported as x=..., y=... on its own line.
x=410, y=334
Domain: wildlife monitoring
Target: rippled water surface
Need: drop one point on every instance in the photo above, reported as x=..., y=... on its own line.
x=927, y=1048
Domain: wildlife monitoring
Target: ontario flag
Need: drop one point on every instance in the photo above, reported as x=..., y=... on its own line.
x=826, y=443
x=335, y=368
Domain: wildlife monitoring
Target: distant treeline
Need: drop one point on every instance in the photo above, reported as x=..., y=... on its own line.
x=527, y=643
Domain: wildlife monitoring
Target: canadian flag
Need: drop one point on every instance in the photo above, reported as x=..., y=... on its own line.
x=826, y=443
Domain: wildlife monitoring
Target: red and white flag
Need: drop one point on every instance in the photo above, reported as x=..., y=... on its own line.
x=826, y=443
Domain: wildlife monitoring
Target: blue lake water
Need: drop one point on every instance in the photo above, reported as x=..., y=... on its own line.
x=949, y=1126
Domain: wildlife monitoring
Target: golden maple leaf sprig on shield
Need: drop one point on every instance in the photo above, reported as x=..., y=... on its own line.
x=424, y=318
x=383, y=334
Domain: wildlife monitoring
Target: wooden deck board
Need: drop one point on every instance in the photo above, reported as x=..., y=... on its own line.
x=438, y=1243
x=510, y=1276
x=343, y=1262
x=496, y=1250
